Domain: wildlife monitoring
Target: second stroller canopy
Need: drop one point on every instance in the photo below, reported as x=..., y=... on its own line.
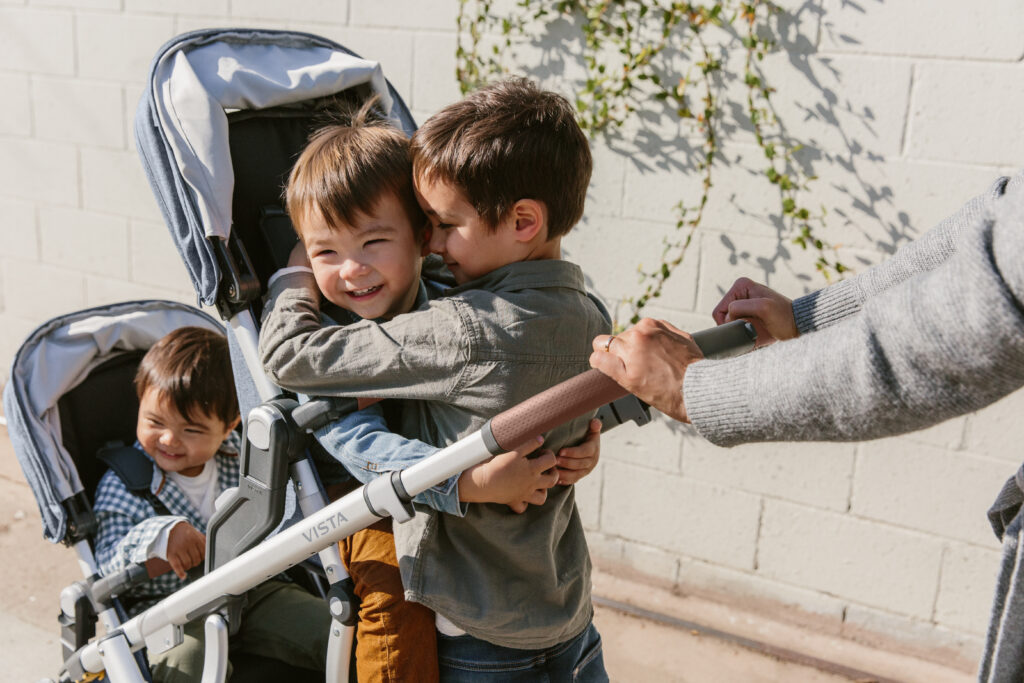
x=182, y=126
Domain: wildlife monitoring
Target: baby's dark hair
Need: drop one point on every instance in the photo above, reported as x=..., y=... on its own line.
x=191, y=368
x=505, y=142
x=348, y=165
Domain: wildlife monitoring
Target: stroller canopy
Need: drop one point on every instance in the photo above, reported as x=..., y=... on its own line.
x=54, y=359
x=182, y=127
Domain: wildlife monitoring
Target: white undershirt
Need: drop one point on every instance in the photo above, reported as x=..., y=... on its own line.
x=445, y=626
x=201, y=491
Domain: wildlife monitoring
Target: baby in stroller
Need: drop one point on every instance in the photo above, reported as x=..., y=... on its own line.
x=185, y=433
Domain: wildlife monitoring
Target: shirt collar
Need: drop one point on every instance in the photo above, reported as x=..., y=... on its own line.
x=528, y=275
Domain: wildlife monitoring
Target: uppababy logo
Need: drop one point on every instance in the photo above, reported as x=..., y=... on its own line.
x=324, y=527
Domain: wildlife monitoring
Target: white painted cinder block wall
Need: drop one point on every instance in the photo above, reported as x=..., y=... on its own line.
x=911, y=108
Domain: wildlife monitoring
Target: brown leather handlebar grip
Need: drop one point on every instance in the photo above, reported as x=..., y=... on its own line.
x=550, y=408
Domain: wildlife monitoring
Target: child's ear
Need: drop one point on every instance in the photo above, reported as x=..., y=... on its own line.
x=530, y=219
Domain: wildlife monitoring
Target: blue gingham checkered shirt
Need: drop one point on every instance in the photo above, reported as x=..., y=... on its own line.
x=128, y=524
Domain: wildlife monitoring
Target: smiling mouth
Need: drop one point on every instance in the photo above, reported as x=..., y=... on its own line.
x=358, y=293
x=170, y=456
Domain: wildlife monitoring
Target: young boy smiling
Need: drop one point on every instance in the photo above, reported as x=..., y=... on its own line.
x=503, y=175
x=187, y=412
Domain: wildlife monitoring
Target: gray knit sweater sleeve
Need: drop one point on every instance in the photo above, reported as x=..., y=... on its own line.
x=936, y=331
x=826, y=306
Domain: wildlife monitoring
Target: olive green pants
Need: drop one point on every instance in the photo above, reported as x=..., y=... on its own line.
x=281, y=621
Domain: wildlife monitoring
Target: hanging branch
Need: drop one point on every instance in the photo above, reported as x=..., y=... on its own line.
x=628, y=66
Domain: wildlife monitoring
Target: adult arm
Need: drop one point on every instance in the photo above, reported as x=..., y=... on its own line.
x=828, y=306
x=938, y=343
x=416, y=355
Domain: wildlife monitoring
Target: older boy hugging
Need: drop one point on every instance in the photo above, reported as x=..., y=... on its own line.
x=502, y=176
x=351, y=199
x=187, y=411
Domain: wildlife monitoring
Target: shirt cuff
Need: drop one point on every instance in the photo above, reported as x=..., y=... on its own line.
x=158, y=548
x=281, y=272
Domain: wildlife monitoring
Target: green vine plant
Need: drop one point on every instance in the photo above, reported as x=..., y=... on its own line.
x=674, y=55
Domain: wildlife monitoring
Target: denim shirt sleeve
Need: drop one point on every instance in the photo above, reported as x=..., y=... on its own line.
x=362, y=443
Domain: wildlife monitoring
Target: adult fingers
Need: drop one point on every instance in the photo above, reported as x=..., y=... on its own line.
x=756, y=311
x=518, y=508
x=608, y=363
x=740, y=290
x=538, y=497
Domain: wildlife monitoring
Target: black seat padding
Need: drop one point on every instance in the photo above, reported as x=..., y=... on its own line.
x=100, y=410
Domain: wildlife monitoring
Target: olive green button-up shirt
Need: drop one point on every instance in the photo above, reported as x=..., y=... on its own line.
x=519, y=581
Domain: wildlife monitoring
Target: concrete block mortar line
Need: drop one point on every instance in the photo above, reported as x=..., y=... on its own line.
x=80, y=182
x=905, y=133
x=757, y=539
x=853, y=476
x=933, y=618
x=32, y=106
x=875, y=521
x=74, y=43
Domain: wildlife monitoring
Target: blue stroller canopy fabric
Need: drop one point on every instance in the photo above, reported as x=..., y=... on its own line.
x=56, y=358
x=181, y=126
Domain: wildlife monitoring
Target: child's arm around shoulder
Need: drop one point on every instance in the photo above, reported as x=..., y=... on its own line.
x=128, y=526
x=415, y=355
x=363, y=443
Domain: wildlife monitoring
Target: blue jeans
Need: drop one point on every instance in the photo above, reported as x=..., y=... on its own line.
x=465, y=659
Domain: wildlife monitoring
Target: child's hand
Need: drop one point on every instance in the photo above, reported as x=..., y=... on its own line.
x=576, y=462
x=770, y=312
x=511, y=478
x=186, y=547
x=298, y=256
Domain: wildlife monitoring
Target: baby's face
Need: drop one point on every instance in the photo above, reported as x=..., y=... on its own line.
x=176, y=443
x=372, y=267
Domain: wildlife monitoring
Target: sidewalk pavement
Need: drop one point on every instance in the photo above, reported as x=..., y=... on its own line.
x=649, y=635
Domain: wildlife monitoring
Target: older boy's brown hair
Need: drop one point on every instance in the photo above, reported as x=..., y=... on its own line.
x=347, y=167
x=191, y=368
x=506, y=142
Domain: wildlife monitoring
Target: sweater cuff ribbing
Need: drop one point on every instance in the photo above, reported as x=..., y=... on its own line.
x=717, y=397
x=824, y=307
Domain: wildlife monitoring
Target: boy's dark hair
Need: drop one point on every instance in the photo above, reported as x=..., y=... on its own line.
x=506, y=142
x=191, y=368
x=348, y=166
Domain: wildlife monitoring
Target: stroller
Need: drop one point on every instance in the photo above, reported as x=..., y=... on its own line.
x=224, y=116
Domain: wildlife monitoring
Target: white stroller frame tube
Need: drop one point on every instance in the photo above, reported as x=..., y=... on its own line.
x=321, y=530
x=310, y=500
